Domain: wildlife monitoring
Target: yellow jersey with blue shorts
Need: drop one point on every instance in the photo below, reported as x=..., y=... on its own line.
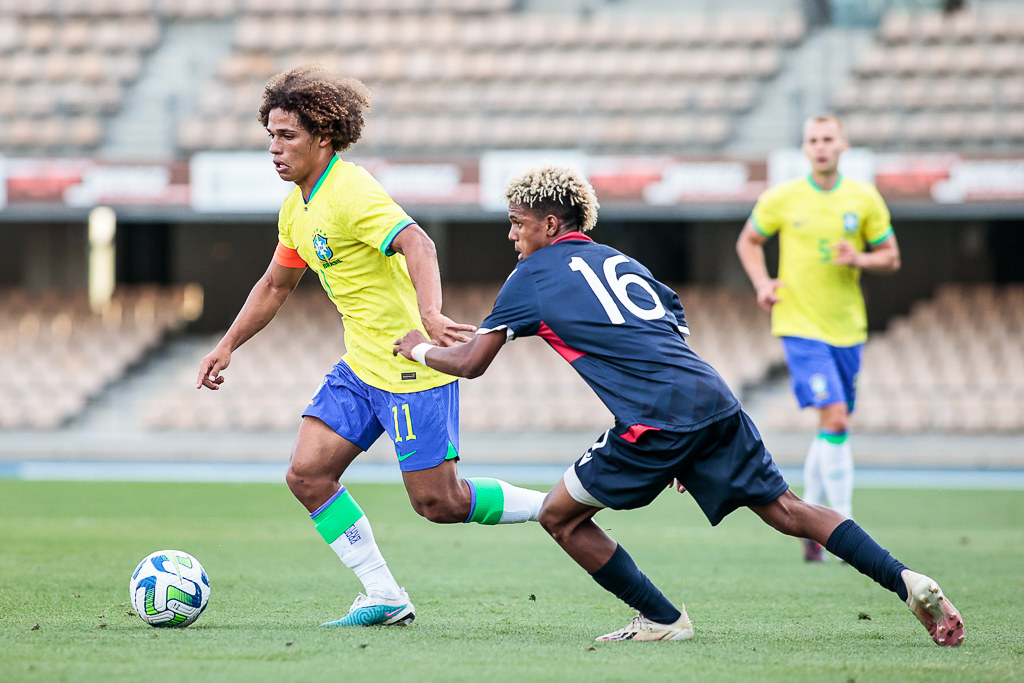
x=343, y=232
x=819, y=299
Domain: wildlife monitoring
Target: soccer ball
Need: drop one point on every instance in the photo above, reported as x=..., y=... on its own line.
x=169, y=588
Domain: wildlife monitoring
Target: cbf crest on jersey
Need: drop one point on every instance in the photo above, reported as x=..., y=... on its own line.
x=850, y=222
x=321, y=247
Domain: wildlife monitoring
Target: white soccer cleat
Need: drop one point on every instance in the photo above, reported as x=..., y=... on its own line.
x=372, y=611
x=926, y=600
x=642, y=628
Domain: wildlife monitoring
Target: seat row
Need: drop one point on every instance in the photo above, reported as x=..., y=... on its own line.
x=955, y=363
x=224, y=9
x=56, y=353
x=528, y=388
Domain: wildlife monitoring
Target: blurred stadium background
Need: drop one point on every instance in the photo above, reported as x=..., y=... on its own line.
x=138, y=204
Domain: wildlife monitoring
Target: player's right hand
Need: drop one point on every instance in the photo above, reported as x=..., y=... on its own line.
x=211, y=367
x=767, y=296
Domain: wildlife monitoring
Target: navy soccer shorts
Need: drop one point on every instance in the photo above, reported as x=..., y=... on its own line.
x=724, y=466
x=424, y=425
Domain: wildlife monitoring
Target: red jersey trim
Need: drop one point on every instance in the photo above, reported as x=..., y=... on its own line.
x=574, y=235
x=564, y=350
x=289, y=258
x=636, y=431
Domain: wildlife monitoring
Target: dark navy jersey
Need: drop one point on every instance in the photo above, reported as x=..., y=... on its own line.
x=622, y=330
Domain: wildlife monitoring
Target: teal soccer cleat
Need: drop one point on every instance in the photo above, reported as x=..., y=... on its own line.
x=369, y=611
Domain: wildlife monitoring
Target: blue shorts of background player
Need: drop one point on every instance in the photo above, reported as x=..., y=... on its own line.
x=424, y=425
x=821, y=374
x=724, y=466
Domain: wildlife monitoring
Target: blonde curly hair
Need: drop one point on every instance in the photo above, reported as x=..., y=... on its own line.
x=325, y=102
x=556, y=190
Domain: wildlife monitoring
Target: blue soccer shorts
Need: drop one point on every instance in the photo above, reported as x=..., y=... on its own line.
x=424, y=425
x=821, y=374
x=724, y=466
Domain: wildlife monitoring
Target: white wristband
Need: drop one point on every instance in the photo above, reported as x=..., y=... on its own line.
x=419, y=352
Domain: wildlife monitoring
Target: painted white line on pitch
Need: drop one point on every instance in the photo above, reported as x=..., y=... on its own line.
x=387, y=473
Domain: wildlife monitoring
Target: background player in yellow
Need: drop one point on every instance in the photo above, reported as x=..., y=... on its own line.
x=830, y=228
x=380, y=269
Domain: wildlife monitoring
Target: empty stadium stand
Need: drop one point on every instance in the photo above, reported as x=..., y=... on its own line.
x=955, y=364
x=528, y=388
x=490, y=77
x=55, y=353
x=934, y=81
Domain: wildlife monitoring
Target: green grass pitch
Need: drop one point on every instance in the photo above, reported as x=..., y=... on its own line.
x=493, y=603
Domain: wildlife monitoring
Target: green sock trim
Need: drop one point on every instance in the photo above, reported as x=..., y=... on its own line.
x=833, y=438
x=490, y=501
x=336, y=515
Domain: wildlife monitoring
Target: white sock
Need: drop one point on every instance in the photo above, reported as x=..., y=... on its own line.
x=814, y=487
x=521, y=505
x=837, y=473
x=357, y=549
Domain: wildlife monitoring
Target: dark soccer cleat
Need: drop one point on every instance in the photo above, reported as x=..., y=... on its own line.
x=813, y=551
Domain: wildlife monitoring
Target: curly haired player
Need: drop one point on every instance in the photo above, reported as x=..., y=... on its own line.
x=676, y=421
x=380, y=269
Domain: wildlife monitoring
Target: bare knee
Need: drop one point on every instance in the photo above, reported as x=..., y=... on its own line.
x=440, y=509
x=557, y=526
x=834, y=418
x=310, y=490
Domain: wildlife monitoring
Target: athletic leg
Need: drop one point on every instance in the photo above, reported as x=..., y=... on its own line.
x=835, y=458
x=570, y=523
x=441, y=496
x=848, y=541
x=319, y=459
x=424, y=427
x=814, y=493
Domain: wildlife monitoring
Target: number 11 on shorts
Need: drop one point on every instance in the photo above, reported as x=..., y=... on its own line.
x=409, y=436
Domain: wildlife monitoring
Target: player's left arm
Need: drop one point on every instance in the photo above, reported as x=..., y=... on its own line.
x=467, y=360
x=882, y=254
x=883, y=257
x=421, y=259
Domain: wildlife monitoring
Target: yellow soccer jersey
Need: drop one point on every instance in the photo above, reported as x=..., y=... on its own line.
x=344, y=234
x=821, y=300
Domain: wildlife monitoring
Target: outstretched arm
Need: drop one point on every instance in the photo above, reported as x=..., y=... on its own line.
x=465, y=360
x=264, y=301
x=750, y=249
x=421, y=258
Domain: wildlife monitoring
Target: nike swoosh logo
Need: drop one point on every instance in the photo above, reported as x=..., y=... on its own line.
x=388, y=615
x=407, y=455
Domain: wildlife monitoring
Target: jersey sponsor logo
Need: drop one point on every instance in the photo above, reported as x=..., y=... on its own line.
x=850, y=222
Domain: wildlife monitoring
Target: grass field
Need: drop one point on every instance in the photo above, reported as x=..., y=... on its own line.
x=493, y=603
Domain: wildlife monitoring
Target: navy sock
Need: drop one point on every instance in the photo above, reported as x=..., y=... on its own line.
x=852, y=544
x=621, y=576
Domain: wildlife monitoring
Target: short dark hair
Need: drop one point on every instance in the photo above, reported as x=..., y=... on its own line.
x=325, y=102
